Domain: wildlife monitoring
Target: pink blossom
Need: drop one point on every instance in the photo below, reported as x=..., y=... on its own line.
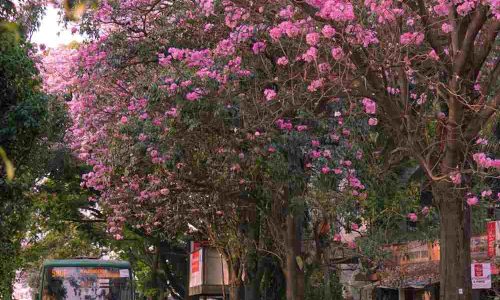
x=315, y=154
x=456, y=177
x=370, y=106
x=441, y=9
x=290, y=29
x=337, y=53
x=284, y=125
x=466, y=7
x=315, y=85
x=164, y=61
x=270, y=94
x=472, y=200
x=409, y=38
x=206, y=6
x=433, y=55
x=486, y=193
x=310, y=55
x=124, y=120
x=351, y=245
x=315, y=143
x=354, y=226
x=359, y=155
x=334, y=137
x=186, y=83
x=176, y=53
x=325, y=170
x=271, y=149
x=312, y=39
x=225, y=48
x=301, y=127
x=483, y=161
x=336, y=10
x=337, y=171
x=235, y=168
x=172, y=112
x=481, y=141
x=328, y=31
x=142, y=137
x=258, y=47
x=425, y=210
x=422, y=99
x=412, y=217
x=372, y=121
x=446, y=28
x=287, y=12
x=157, y=121
x=275, y=33
x=327, y=154
x=194, y=95
x=164, y=192
x=282, y=61
x=208, y=27
x=337, y=237
x=324, y=68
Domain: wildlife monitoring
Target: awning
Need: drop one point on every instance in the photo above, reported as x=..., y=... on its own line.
x=418, y=275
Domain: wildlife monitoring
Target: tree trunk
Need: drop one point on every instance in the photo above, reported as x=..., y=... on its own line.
x=235, y=292
x=455, y=260
x=294, y=275
x=235, y=283
x=154, y=273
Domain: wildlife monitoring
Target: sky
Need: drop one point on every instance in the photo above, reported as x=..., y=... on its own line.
x=52, y=33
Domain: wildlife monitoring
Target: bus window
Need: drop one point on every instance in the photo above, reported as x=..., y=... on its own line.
x=86, y=283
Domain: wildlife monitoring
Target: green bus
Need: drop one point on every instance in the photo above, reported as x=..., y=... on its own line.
x=86, y=279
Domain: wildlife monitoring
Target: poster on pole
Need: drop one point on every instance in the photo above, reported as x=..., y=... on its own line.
x=195, y=268
x=491, y=236
x=481, y=276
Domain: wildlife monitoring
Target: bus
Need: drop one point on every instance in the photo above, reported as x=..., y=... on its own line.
x=86, y=279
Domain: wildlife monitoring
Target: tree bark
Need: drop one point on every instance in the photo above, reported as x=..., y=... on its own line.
x=235, y=290
x=294, y=275
x=455, y=233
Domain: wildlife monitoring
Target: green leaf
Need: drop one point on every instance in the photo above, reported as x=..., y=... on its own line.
x=9, y=166
x=300, y=262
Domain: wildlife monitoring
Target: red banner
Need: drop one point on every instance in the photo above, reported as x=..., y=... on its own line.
x=491, y=231
x=195, y=262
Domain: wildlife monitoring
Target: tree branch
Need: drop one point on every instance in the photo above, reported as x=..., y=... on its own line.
x=490, y=35
x=467, y=46
x=481, y=117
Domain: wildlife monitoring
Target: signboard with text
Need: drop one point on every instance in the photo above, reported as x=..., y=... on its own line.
x=481, y=276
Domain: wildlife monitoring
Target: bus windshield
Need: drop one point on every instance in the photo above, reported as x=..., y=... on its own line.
x=86, y=283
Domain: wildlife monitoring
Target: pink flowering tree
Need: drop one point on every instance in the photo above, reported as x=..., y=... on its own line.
x=421, y=72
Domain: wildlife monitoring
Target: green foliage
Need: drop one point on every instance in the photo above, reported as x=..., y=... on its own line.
x=322, y=284
x=23, y=109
